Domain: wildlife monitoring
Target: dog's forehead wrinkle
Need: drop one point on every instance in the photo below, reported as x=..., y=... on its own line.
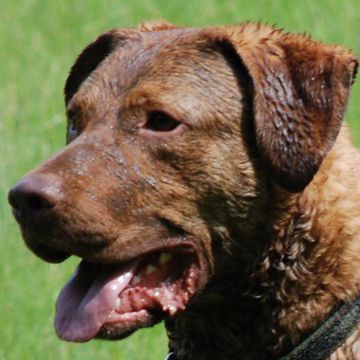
x=123, y=67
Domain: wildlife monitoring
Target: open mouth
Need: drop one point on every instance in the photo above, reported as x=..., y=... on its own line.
x=111, y=301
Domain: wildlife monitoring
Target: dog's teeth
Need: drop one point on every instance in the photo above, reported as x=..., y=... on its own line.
x=172, y=310
x=136, y=279
x=118, y=303
x=164, y=258
x=150, y=269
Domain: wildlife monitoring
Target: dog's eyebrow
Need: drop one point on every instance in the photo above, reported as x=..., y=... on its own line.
x=73, y=108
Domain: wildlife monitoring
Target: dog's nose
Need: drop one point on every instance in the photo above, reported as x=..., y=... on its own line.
x=35, y=194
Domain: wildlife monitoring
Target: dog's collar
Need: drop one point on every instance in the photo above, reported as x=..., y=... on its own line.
x=331, y=334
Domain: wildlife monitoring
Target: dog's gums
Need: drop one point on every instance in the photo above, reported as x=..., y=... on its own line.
x=108, y=301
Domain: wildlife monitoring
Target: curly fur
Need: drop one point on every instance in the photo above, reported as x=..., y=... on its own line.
x=308, y=263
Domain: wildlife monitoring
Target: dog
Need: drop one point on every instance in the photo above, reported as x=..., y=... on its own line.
x=208, y=181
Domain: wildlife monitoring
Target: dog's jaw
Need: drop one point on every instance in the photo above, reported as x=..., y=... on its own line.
x=112, y=301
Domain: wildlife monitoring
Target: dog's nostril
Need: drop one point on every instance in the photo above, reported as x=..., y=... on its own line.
x=36, y=202
x=34, y=194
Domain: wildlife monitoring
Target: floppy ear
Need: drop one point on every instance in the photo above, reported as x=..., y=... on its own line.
x=91, y=57
x=300, y=91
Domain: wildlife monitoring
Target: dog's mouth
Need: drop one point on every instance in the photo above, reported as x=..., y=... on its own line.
x=111, y=301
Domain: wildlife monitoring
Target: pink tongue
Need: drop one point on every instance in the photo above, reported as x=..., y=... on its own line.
x=88, y=298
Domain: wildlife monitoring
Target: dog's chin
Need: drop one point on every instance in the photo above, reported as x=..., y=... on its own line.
x=112, y=301
x=114, y=334
x=122, y=326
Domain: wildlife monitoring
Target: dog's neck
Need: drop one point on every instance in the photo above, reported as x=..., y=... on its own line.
x=310, y=263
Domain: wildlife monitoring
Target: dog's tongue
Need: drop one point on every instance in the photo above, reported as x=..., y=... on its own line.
x=88, y=298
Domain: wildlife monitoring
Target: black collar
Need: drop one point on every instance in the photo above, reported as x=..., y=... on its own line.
x=323, y=341
x=331, y=333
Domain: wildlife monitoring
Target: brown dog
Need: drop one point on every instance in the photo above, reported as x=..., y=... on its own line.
x=208, y=181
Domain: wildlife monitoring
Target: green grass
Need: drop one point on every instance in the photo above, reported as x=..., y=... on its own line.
x=39, y=41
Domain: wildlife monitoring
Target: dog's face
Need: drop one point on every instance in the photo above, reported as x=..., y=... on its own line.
x=172, y=137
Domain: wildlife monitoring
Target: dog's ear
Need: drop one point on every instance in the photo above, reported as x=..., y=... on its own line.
x=91, y=57
x=300, y=91
x=87, y=62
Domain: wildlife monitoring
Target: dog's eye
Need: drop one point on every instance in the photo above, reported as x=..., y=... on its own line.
x=159, y=121
x=72, y=127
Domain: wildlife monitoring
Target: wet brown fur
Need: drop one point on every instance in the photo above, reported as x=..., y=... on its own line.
x=264, y=181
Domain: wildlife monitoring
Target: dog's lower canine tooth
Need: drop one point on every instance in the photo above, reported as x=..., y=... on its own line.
x=150, y=269
x=164, y=258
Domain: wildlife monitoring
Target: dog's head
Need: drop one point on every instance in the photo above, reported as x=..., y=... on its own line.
x=175, y=137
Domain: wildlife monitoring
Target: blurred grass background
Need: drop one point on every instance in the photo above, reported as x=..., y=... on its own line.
x=39, y=41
